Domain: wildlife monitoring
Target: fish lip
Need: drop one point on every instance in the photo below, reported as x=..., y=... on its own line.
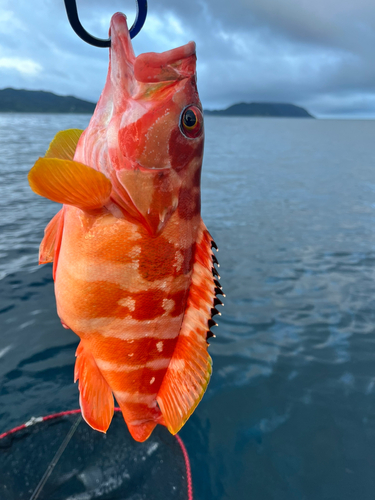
x=120, y=80
x=154, y=67
x=117, y=20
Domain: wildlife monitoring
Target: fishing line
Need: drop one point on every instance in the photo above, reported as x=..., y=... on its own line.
x=55, y=459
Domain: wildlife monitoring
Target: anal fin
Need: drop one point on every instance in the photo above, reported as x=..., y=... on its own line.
x=190, y=368
x=96, y=399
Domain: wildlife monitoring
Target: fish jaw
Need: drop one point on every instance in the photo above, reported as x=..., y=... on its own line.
x=120, y=83
x=92, y=148
x=135, y=136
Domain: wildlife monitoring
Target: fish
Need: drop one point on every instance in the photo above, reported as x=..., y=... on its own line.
x=133, y=263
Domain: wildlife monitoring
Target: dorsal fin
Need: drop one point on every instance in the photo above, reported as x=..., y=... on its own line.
x=190, y=368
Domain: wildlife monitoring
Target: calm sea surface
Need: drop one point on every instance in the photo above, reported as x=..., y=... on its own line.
x=290, y=410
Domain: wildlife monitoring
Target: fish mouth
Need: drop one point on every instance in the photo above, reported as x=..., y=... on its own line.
x=151, y=67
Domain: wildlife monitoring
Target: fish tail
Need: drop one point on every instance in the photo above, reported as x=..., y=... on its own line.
x=140, y=417
x=141, y=432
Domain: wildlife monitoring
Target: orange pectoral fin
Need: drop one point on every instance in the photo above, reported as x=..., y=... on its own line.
x=64, y=144
x=47, y=247
x=96, y=399
x=190, y=368
x=70, y=183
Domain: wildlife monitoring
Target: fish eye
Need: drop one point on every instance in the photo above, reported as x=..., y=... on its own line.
x=191, y=124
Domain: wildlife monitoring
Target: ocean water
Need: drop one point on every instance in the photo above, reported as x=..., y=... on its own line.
x=290, y=409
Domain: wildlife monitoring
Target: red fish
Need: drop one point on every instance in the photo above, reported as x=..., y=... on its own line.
x=132, y=259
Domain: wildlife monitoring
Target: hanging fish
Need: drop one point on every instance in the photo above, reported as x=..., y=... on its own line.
x=132, y=259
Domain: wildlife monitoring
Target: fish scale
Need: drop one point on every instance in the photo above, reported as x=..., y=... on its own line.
x=133, y=261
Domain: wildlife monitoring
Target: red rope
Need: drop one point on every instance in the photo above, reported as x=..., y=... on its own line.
x=34, y=420
x=61, y=414
x=189, y=479
x=13, y=430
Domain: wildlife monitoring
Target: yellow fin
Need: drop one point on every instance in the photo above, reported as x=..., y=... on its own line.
x=70, y=183
x=47, y=247
x=190, y=368
x=64, y=144
x=95, y=395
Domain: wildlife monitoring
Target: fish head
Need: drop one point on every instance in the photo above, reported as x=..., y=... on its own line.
x=147, y=133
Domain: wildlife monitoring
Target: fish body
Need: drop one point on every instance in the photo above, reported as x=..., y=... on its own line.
x=133, y=260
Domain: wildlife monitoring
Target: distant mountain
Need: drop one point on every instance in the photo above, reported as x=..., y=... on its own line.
x=262, y=109
x=38, y=101
x=32, y=101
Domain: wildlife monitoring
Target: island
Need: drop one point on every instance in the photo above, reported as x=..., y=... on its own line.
x=256, y=109
x=38, y=101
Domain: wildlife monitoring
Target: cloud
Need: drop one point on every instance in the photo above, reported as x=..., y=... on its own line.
x=24, y=66
x=317, y=54
x=9, y=22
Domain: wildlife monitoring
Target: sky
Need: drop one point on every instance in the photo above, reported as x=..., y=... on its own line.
x=319, y=54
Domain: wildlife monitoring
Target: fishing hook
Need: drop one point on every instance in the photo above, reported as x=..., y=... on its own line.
x=71, y=10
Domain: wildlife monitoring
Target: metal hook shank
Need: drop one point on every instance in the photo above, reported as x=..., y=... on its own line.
x=71, y=10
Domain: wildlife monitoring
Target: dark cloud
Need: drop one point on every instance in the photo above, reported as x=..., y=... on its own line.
x=318, y=54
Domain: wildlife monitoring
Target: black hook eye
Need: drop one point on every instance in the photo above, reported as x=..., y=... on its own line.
x=71, y=10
